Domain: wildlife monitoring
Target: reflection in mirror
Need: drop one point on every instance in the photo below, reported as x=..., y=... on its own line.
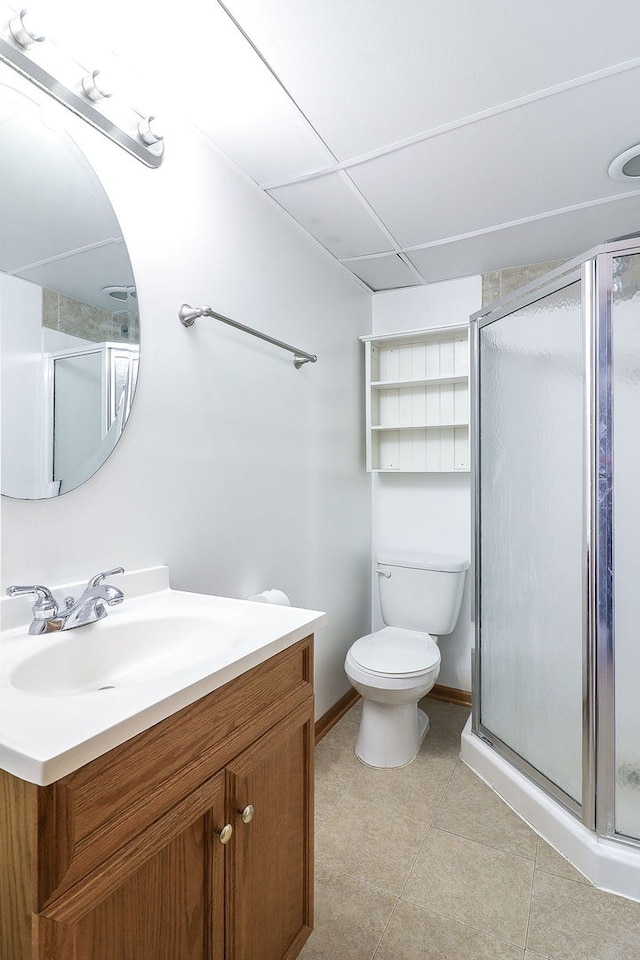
x=69, y=326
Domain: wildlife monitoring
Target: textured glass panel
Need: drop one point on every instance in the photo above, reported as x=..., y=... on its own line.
x=626, y=538
x=78, y=416
x=531, y=534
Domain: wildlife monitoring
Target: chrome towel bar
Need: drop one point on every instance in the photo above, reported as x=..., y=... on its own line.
x=188, y=316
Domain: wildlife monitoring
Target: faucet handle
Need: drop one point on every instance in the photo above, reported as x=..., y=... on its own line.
x=99, y=577
x=45, y=606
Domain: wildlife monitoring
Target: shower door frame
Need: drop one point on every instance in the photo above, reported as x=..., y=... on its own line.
x=603, y=574
x=594, y=272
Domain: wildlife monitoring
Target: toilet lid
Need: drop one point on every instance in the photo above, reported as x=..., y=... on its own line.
x=396, y=652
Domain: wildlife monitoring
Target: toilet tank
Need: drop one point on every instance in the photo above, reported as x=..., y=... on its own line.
x=420, y=591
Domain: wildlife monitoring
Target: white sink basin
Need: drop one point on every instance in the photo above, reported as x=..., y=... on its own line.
x=115, y=653
x=68, y=697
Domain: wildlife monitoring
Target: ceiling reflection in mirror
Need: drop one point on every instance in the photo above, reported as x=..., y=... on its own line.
x=69, y=321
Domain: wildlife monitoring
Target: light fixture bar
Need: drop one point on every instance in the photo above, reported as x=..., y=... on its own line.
x=149, y=153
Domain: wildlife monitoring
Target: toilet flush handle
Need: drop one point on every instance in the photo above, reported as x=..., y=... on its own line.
x=385, y=573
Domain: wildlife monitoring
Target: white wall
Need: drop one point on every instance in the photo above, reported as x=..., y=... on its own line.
x=422, y=511
x=236, y=470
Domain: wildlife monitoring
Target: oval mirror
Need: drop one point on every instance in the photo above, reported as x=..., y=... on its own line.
x=69, y=325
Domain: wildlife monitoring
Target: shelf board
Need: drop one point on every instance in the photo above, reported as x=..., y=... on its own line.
x=455, y=331
x=421, y=426
x=417, y=470
x=426, y=382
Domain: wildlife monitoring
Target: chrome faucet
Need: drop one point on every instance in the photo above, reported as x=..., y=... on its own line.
x=49, y=616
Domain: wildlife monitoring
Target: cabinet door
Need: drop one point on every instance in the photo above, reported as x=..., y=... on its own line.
x=161, y=897
x=270, y=873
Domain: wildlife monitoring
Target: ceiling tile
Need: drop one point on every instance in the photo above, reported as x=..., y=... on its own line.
x=329, y=208
x=556, y=238
x=370, y=74
x=249, y=116
x=32, y=158
x=384, y=273
x=541, y=157
x=84, y=274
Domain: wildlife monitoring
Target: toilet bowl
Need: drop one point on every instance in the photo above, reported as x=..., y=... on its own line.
x=392, y=669
x=396, y=666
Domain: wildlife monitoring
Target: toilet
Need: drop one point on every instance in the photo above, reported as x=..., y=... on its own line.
x=393, y=668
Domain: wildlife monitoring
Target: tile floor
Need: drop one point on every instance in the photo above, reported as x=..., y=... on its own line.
x=426, y=863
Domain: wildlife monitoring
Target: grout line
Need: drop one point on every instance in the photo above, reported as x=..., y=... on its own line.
x=533, y=878
x=441, y=800
x=350, y=876
x=484, y=843
x=334, y=805
x=387, y=925
x=431, y=827
x=464, y=923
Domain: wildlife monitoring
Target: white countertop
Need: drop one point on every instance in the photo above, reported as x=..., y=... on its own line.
x=43, y=737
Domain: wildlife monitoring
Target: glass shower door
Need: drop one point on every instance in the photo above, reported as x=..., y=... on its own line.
x=529, y=491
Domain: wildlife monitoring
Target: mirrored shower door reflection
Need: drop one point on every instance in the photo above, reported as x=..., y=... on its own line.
x=529, y=532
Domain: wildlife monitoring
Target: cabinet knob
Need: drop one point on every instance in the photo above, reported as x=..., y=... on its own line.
x=247, y=813
x=224, y=833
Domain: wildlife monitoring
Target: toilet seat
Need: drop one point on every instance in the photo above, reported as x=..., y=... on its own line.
x=396, y=652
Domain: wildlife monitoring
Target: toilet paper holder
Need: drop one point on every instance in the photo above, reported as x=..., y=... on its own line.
x=271, y=595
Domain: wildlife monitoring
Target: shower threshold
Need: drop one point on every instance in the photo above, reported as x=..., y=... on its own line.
x=608, y=864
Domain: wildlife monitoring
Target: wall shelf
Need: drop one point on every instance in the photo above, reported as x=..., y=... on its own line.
x=426, y=381
x=417, y=426
x=417, y=401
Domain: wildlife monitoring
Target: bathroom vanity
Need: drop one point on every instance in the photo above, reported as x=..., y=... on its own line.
x=191, y=840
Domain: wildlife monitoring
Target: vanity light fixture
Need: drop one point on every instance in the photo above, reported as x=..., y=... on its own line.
x=86, y=92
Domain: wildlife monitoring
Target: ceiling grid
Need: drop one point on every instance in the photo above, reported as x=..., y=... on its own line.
x=416, y=141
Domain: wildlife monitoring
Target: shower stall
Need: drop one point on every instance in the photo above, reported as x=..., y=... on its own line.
x=556, y=423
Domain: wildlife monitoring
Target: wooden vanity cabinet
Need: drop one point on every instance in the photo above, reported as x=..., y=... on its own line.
x=128, y=878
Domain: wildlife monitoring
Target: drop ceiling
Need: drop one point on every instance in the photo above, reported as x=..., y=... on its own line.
x=415, y=140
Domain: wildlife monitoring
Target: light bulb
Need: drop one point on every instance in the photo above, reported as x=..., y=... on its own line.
x=96, y=86
x=148, y=131
x=24, y=30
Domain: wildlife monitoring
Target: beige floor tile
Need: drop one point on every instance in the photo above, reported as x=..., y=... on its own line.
x=470, y=809
x=369, y=843
x=473, y=883
x=447, y=722
x=533, y=956
x=551, y=861
x=573, y=921
x=413, y=791
x=327, y=795
x=336, y=762
x=418, y=934
x=350, y=918
x=350, y=722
